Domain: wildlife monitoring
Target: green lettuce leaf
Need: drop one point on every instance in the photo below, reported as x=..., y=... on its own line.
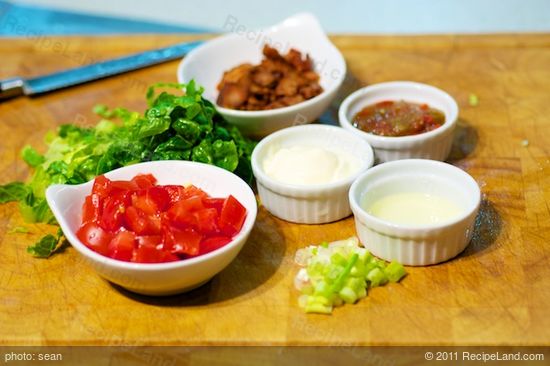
x=175, y=126
x=15, y=191
x=47, y=245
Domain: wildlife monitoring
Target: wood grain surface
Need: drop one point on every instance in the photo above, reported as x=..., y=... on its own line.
x=495, y=293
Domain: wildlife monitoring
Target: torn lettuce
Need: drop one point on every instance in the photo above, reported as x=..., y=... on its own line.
x=175, y=126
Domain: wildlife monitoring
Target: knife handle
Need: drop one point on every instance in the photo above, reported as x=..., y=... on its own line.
x=10, y=88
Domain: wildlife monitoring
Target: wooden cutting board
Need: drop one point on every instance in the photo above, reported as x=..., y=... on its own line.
x=496, y=292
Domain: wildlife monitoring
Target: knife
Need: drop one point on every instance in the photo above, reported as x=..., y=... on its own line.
x=17, y=86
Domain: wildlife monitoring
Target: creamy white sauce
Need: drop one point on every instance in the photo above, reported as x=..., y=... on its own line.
x=414, y=208
x=307, y=165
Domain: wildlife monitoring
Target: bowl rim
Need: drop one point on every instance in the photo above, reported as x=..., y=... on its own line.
x=411, y=230
x=404, y=85
x=298, y=190
x=123, y=265
x=289, y=21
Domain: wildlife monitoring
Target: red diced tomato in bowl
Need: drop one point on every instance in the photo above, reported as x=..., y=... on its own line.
x=140, y=221
x=122, y=246
x=94, y=237
x=232, y=216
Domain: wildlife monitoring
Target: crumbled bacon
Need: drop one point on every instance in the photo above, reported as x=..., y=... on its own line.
x=278, y=81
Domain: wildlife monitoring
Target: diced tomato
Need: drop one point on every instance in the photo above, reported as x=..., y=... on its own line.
x=151, y=240
x=151, y=254
x=181, y=213
x=91, y=210
x=144, y=181
x=232, y=216
x=191, y=191
x=141, y=223
x=183, y=242
x=213, y=243
x=122, y=245
x=207, y=220
x=102, y=186
x=123, y=185
x=169, y=257
x=216, y=203
x=152, y=200
x=113, y=211
x=94, y=237
x=175, y=193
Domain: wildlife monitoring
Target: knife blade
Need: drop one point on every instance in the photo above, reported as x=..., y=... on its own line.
x=17, y=86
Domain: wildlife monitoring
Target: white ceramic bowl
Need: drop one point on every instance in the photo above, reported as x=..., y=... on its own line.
x=416, y=245
x=158, y=278
x=207, y=63
x=311, y=204
x=435, y=144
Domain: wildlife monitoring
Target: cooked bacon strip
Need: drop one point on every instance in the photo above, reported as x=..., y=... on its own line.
x=278, y=81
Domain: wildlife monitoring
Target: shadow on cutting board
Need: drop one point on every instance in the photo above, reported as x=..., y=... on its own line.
x=487, y=229
x=464, y=141
x=257, y=262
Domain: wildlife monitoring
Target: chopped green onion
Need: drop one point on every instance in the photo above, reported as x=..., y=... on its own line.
x=344, y=275
x=318, y=308
x=395, y=271
x=473, y=100
x=339, y=272
x=377, y=277
x=348, y=295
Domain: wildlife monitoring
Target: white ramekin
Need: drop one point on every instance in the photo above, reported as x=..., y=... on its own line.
x=311, y=204
x=435, y=144
x=416, y=245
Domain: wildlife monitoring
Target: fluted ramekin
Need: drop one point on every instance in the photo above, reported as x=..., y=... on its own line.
x=416, y=245
x=309, y=204
x=435, y=144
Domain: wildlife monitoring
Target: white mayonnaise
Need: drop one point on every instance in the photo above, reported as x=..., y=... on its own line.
x=307, y=165
x=414, y=208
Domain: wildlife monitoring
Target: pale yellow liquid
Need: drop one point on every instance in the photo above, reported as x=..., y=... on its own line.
x=414, y=208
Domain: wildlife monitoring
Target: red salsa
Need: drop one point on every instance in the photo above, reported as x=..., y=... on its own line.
x=398, y=118
x=140, y=221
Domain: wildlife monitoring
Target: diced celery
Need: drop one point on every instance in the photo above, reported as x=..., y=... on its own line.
x=358, y=270
x=473, y=100
x=322, y=288
x=315, y=269
x=376, y=277
x=338, y=259
x=334, y=272
x=369, y=267
x=395, y=271
x=319, y=300
x=348, y=295
x=367, y=257
x=355, y=284
x=318, y=308
x=339, y=273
